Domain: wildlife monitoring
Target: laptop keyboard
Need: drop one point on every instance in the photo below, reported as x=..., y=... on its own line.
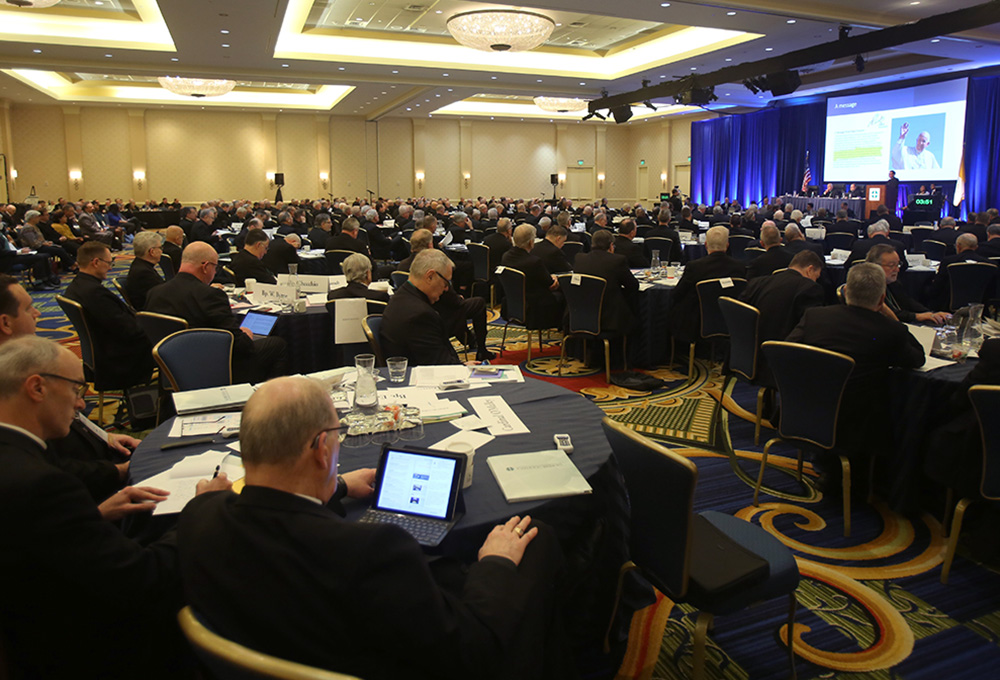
x=427, y=531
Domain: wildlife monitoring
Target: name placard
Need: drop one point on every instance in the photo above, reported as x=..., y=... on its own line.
x=308, y=283
x=266, y=294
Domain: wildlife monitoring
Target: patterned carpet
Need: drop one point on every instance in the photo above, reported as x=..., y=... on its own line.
x=870, y=607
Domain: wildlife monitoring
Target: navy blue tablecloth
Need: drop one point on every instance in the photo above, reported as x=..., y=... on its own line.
x=649, y=343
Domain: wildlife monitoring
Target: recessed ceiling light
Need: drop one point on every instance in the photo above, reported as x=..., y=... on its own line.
x=385, y=93
x=768, y=49
x=450, y=90
x=408, y=108
x=729, y=58
x=936, y=40
x=790, y=21
x=225, y=44
x=37, y=51
x=583, y=83
x=539, y=80
x=694, y=68
x=224, y=32
x=664, y=4
x=915, y=2
x=437, y=95
x=284, y=66
x=109, y=55
x=727, y=94
x=558, y=25
x=359, y=19
x=341, y=68
x=493, y=77
x=445, y=75
x=662, y=77
x=395, y=71
x=174, y=59
x=730, y=14
x=98, y=3
x=438, y=12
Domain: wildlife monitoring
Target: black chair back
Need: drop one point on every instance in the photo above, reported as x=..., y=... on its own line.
x=738, y=244
x=742, y=321
x=399, y=278
x=753, y=252
x=660, y=487
x=373, y=329
x=713, y=325
x=919, y=234
x=480, y=256
x=838, y=240
x=903, y=238
x=643, y=229
x=196, y=358
x=335, y=260
x=158, y=326
x=572, y=249
x=986, y=401
x=969, y=282
x=345, y=353
x=117, y=283
x=514, y=289
x=74, y=312
x=659, y=243
x=934, y=250
x=585, y=302
x=167, y=267
x=811, y=383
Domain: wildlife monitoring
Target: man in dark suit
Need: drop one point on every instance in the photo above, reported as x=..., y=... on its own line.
x=946, y=233
x=281, y=252
x=142, y=274
x=202, y=229
x=891, y=192
x=347, y=239
x=188, y=217
x=499, y=242
x=830, y=192
x=899, y=302
x=189, y=296
x=108, y=601
x=173, y=245
x=358, y=271
x=362, y=584
x=795, y=241
x=877, y=233
x=991, y=247
x=776, y=256
x=320, y=233
x=123, y=354
x=543, y=306
x=246, y=263
x=411, y=327
x=685, y=316
x=977, y=224
x=624, y=245
x=549, y=250
x=965, y=251
x=862, y=330
x=664, y=230
x=621, y=296
x=883, y=213
x=686, y=222
x=842, y=224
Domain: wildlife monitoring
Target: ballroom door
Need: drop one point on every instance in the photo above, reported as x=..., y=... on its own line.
x=580, y=183
x=642, y=183
x=682, y=178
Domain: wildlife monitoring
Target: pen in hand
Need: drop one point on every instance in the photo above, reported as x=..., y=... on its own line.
x=216, y=474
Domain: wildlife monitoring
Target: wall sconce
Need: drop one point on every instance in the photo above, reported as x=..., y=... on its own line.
x=467, y=177
x=324, y=178
x=76, y=176
x=139, y=176
x=270, y=178
x=663, y=178
x=600, y=180
x=420, y=180
x=13, y=173
x=562, y=178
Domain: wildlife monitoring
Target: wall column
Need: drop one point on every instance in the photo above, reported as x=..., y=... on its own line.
x=269, y=131
x=466, y=181
x=74, y=152
x=371, y=161
x=600, y=155
x=419, y=134
x=667, y=156
x=561, y=156
x=323, y=155
x=137, y=154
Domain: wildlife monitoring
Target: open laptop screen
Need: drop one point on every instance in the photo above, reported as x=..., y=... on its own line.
x=418, y=483
x=259, y=324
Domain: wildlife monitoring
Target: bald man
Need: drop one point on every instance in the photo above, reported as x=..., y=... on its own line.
x=190, y=296
x=173, y=245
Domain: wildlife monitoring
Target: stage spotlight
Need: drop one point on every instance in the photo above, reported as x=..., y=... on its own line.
x=751, y=84
x=844, y=32
x=592, y=114
x=622, y=113
x=649, y=105
x=783, y=82
x=859, y=63
x=697, y=96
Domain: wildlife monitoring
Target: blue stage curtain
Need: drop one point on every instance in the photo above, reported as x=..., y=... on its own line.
x=982, y=141
x=803, y=128
x=715, y=158
x=758, y=153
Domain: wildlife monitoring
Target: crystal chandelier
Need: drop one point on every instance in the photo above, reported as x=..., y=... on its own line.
x=33, y=4
x=560, y=104
x=196, y=87
x=501, y=30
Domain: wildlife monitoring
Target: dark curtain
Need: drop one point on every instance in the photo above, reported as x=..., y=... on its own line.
x=758, y=152
x=715, y=158
x=982, y=142
x=803, y=128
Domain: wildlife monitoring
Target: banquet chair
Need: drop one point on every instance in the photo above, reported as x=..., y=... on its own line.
x=738, y=244
x=713, y=325
x=743, y=322
x=986, y=403
x=642, y=229
x=572, y=249
x=924, y=223
x=714, y=562
x=117, y=283
x=660, y=243
x=969, y=282
x=585, y=316
x=335, y=260
x=810, y=384
x=752, y=252
x=482, y=269
x=903, y=238
x=934, y=250
x=398, y=279
x=196, y=358
x=158, y=326
x=515, y=293
x=345, y=353
x=838, y=240
x=228, y=660
x=167, y=267
x=918, y=235
x=373, y=325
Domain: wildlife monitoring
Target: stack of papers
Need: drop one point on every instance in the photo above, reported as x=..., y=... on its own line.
x=205, y=424
x=925, y=335
x=227, y=397
x=433, y=376
x=182, y=478
x=432, y=409
x=537, y=475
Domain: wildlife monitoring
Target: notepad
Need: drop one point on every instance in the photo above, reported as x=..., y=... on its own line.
x=537, y=475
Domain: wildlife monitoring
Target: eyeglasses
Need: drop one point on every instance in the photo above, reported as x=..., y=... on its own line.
x=81, y=386
x=446, y=281
x=214, y=264
x=891, y=265
x=107, y=262
x=315, y=441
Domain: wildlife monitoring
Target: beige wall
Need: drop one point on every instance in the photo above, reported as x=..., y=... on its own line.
x=197, y=155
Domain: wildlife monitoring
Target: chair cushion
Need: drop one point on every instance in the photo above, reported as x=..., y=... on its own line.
x=735, y=563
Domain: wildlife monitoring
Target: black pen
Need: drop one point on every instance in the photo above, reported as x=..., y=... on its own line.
x=216, y=471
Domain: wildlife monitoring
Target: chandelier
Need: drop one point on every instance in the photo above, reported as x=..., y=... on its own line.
x=560, y=104
x=196, y=87
x=33, y=4
x=501, y=30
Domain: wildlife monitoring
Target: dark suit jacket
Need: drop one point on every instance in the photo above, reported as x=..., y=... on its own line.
x=78, y=579
x=861, y=247
x=891, y=194
x=142, y=276
x=246, y=265
x=123, y=355
x=345, y=588
x=344, y=242
x=318, y=238
x=777, y=257
x=685, y=316
x=543, y=307
x=876, y=343
x=498, y=245
x=676, y=252
x=173, y=251
x=940, y=290
x=411, y=328
x=203, y=231
x=899, y=301
x=621, y=296
x=977, y=230
x=357, y=290
x=553, y=258
x=202, y=306
x=989, y=249
x=633, y=253
x=280, y=253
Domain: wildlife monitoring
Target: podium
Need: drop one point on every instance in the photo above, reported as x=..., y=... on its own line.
x=874, y=198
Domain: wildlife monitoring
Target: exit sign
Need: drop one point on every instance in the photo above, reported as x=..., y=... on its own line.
x=579, y=162
x=642, y=162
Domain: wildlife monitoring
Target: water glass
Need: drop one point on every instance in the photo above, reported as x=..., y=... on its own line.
x=397, y=369
x=411, y=425
x=293, y=270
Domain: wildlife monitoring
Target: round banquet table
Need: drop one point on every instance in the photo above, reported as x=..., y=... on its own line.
x=649, y=342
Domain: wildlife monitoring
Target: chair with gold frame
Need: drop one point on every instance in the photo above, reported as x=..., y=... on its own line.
x=712, y=324
x=228, y=660
x=810, y=384
x=710, y=560
x=372, y=325
x=743, y=321
x=515, y=294
x=585, y=316
x=986, y=403
x=120, y=287
x=196, y=358
x=157, y=326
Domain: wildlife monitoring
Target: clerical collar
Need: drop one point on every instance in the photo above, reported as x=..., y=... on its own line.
x=20, y=430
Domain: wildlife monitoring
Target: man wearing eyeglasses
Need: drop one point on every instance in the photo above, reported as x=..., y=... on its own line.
x=142, y=274
x=898, y=303
x=122, y=351
x=88, y=602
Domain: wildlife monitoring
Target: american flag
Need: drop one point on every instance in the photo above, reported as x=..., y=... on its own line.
x=807, y=177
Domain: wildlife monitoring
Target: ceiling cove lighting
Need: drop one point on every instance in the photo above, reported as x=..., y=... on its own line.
x=196, y=87
x=33, y=4
x=560, y=104
x=500, y=30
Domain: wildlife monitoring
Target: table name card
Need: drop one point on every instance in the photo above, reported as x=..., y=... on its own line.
x=265, y=293
x=308, y=283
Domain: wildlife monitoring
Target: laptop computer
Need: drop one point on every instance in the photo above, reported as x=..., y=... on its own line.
x=418, y=490
x=259, y=324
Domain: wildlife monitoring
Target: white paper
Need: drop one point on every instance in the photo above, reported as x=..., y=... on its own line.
x=930, y=363
x=265, y=293
x=839, y=255
x=308, y=283
x=575, y=279
x=469, y=423
x=726, y=282
x=335, y=281
x=205, y=424
x=348, y=314
x=432, y=376
x=226, y=396
x=316, y=299
x=925, y=336
x=499, y=416
x=644, y=286
x=182, y=478
x=473, y=439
